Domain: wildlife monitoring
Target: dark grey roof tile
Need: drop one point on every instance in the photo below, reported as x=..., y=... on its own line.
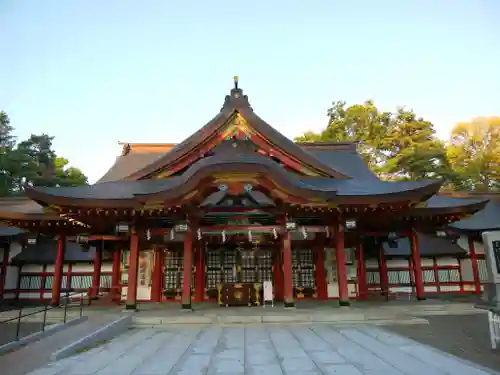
x=125, y=165
x=11, y=231
x=486, y=219
x=347, y=162
x=44, y=252
x=429, y=245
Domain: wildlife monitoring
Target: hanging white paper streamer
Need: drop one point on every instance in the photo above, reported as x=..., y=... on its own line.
x=304, y=232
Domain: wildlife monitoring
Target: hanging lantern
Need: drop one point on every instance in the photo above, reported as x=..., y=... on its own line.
x=198, y=234
x=148, y=235
x=32, y=239
x=172, y=234
x=223, y=236
x=181, y=228
x=350, y=224
x=122, y=228
x=290, y=226
x=275, y=233
x=327, y=231
x=249, y=235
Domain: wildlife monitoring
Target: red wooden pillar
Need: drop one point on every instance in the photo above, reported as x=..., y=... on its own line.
x=200, y=272
x=3, y=269
x=475, y=268
x=341, y=269
x=187, y=270
x=287, y=270
x=131, y=303
x=58, y=270
x=157, y=282
x=384, y=277
x=96, y=275
x=115, y=276
x=361, y=270
x=417, y=266
x=321, y=285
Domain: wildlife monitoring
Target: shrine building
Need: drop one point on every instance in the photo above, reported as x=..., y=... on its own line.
x=235, y=205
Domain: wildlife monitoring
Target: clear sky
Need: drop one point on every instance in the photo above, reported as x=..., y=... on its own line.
x=95, y=72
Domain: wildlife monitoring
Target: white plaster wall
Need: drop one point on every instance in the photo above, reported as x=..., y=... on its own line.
x=371, y=263
x=12, y=273
x=447, y=261
x=463, y=242
x=397, y=263
x=466, y=269
x=82, y=267
x=32, y=268
x=11, y=277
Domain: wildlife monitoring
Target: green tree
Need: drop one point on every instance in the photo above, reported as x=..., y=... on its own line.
x=474, y=154
x=68, y=176
x=7, y=142
x=361, y=123
x=395, y=145
x=414, y=151
x=32, y=162
x=43, y=167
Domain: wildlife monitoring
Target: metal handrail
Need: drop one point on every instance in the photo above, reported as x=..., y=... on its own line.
x=48, y=307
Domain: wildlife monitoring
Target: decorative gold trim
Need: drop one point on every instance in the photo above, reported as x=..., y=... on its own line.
x=219, y=294
x=234, y=177
x=237, y=124
x=257, y=293
x=151, y=205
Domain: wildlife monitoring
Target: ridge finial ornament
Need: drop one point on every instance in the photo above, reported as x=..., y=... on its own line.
x=236, y=80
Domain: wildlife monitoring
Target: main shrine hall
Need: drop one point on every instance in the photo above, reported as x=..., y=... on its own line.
x=233, y=207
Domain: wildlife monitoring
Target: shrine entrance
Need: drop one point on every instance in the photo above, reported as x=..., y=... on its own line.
x=232, y=263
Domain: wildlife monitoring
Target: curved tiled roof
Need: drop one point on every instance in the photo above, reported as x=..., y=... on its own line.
x=428, y=244
x=235, y=103
x=44, y=252
x=484, y=220
x=11, y=231
x=234, y=159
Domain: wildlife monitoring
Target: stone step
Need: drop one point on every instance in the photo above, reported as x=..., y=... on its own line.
x=158, y=321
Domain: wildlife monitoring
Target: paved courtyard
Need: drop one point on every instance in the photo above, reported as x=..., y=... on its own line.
x=262, y=349
x=466, y=336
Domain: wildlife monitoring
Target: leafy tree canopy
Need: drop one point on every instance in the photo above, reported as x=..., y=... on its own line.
x=397, y=145
x=474, y=154
x=32, y=162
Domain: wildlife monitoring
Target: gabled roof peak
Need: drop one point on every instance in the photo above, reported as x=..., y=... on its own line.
x=236, y=99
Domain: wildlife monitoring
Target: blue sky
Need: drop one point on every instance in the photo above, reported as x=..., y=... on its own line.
x=95, y=72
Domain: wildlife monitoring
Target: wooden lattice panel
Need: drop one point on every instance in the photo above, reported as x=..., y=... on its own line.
x=303, y=272
x=174, y=274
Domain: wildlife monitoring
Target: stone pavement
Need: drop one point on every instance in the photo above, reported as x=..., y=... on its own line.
x=466, y=336
x=264, y=349
x=37, y=354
